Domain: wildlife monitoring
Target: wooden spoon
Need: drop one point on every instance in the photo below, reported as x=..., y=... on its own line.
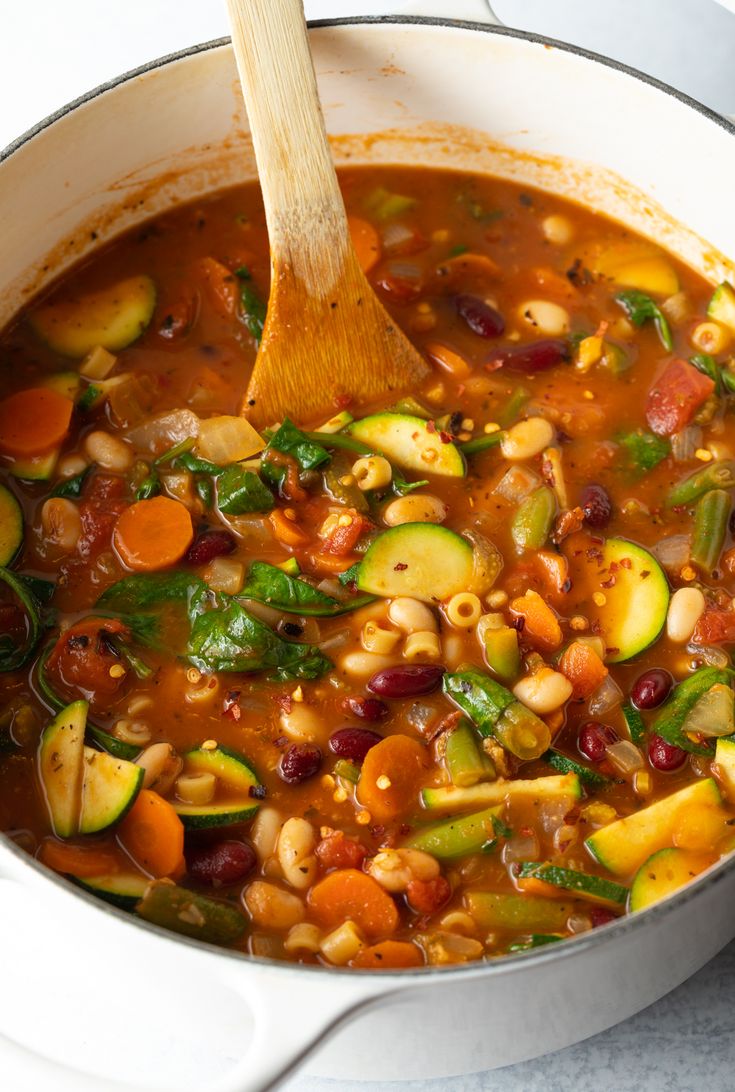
x=326, y=335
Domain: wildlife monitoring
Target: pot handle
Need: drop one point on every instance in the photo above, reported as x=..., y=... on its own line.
x=293, y=1010
x=474, y=11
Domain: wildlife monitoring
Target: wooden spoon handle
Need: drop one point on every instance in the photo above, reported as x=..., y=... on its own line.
x=303, y=203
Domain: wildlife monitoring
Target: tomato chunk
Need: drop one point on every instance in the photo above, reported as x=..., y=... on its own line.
x=676, y=396
x=84, y=661
x=715, y=627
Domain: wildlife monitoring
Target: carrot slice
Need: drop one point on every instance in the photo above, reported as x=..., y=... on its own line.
x=583, y=667
x=79, y=861
x=391, y=776
x=153, y=835
x=349, y=894
x=153, y=534
x=541, y=627
x=389, y=953
x=34, y=421
x=287, y=530
x=366, y=242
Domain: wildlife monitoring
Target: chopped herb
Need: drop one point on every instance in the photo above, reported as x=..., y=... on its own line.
x=149, y=487
x=644, y=449
x=87, y=400
x=640, y=308
x=252, y=308
x=72, y=487
x=457, y=250
x=707, y=364
x=401, y=487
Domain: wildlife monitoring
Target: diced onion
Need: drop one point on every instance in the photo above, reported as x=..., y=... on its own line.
x=624, y=756
x=713, y=713
x=673, y=552
x=396, y=235
x=521, y=847
x=606, y=697
x=517, y=483
x=227, y=439
x=165, y=431
x=714, y=656
x=685, y=443
x=487, y=562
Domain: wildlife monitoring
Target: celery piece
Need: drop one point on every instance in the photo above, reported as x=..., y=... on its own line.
x=466, y=762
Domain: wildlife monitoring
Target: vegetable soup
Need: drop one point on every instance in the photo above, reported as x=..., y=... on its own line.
x=434, y=680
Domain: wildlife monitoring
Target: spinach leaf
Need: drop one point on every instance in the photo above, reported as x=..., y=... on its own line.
x=145, y=590
x=240, y=491
x=232, y=639
x=349, y=576
x=290, y=440
x=72, y=487
x=252, y=308
x=12, y=654
x=197, y=466
x=640, y=308
x=269, y=584
x=707, y=364
x=645, y=450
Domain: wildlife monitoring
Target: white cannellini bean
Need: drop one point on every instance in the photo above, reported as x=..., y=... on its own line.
x=544, y=691
x=108, y=451
x=411, y=615
x=296, y=844
x=264, y=832
x=160, y=763
x=272, y=907
x=546, y=317
x=61, y=522
x=302, y=723
x=394, y=869
x=685, y=609
x=527, y=438
x=557, y=229
x=69, y=466
x=362, y=664
x=415, y=508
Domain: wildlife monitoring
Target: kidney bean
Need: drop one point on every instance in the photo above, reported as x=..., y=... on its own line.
x=651, y=688
x=208, y=545
x=596, y=504
x=372, y=709
x=665, y=756
x=594, y=737
x=600, y=916
x=406, y=681
x=537, y=356
x=481, y=318
x=220, y=863
x=353, y=743
x=299, y=762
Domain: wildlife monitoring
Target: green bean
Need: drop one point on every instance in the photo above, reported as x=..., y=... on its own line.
x=532, y=522
x=193, y=915
x=494, y=711
x=481, y=443
x=502, y=652
x=513, y=406
x=710, y=527
x=466, y=762
x=501, y=911
x=713, y=476
x=338, y=439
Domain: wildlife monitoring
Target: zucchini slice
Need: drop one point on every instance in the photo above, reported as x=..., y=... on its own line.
x=183, y=911
x=64, y=383
x=624, y=845
x=724, y=767
x=60, y=767
x=123, y=889
x=593, y=888
x=35, y=468
x=637, y=264
x=492, y=793
x=11, y=527
x=635, y=596
x=528, y=912
x=109, y=788
x=112, y=317
x=235, y=774
x=458, y=836
x=663, y=873
x=722, y=305
x=411, y=443
x=421, y=560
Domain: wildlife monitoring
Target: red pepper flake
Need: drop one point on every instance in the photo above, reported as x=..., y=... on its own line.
x=231, y=705
x=342, y=401
x=645, y=573
x=612, y=651
x=626, y=563
x=614, y=566
x=517, y=623
x=399, y=568
x=608, y=583
x=285, y=701
x=431, y=426
x=445, y=437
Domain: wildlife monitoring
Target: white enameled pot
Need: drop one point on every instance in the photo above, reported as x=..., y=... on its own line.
x=400, y=90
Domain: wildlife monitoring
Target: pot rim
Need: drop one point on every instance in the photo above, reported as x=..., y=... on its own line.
x=497, y=965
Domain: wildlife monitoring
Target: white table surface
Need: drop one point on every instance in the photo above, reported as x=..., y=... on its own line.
x=54, y=50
